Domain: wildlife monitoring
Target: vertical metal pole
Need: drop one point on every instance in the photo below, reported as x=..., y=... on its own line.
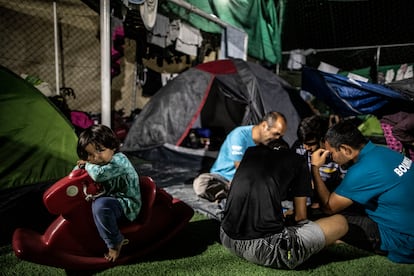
x=105, y=62
x=55, y=20
x=134, y=88
x=378, y=56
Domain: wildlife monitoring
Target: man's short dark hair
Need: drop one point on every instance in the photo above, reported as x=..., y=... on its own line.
x=345, y=133
x=271, y=117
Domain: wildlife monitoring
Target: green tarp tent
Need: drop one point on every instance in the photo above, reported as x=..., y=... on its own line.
x=37, y=147
x=37, y=143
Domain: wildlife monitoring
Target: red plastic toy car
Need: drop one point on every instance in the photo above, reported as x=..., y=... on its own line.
x=72, y=240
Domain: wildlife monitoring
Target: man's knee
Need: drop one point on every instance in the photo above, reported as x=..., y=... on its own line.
x=333, y=227
x=211, y=187
x=201, y=183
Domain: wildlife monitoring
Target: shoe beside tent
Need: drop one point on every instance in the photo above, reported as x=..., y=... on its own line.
x=218, y=96
x=37, y=147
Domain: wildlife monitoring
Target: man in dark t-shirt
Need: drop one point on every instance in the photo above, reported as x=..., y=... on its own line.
x=254, y=226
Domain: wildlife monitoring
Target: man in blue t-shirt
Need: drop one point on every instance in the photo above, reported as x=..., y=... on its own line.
x=215, y=184
x=379, y=180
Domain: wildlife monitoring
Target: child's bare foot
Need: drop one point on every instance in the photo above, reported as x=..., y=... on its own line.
x=113, y=253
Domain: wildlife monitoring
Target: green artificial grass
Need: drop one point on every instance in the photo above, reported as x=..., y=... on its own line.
x=197, y=251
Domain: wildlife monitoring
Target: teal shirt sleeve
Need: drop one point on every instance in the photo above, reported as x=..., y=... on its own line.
x=233, y=149
x=120, y=180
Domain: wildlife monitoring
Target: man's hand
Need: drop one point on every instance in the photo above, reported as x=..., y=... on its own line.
x=319, y=157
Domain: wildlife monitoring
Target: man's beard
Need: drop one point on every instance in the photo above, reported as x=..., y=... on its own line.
x=347, y=165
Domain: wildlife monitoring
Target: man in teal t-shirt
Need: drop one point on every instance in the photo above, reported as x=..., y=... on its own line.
x=379, y=180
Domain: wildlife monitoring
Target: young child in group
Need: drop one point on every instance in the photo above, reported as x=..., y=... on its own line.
x=310, y=132
x=98, y=149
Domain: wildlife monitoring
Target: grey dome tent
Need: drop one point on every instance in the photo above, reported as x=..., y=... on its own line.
x=218, y=96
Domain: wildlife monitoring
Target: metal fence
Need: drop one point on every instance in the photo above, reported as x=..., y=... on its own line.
x=58, y=42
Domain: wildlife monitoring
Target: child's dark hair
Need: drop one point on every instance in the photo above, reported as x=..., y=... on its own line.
x=97, y=135
x=313, y=128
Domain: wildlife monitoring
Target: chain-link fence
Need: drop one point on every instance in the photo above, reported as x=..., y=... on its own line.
x=28, y=46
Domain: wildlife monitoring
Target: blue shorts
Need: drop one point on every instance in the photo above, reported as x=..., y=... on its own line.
x=286, y=250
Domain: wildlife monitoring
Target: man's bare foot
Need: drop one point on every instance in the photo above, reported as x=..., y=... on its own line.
x=113, y=253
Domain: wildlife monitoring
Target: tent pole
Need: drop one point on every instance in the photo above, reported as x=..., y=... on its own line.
x=55, y=25
x=199, y=12
x=105, y=63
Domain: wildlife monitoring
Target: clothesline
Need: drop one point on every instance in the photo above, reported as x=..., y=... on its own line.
x=354, y=48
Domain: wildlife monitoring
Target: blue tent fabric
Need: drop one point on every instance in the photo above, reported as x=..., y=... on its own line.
x=348, y=97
